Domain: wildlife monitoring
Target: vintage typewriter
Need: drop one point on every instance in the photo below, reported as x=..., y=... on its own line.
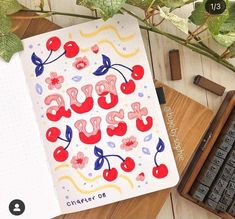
x=210, y=178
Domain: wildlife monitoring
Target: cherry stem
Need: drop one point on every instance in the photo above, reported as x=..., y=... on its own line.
x=155, y=158
x=47, y=57
x=122, y=66
x=120, y=73
x=67, y=145
x=62, y=139
x=107, y=161
x=112, y=155
x=55, y=59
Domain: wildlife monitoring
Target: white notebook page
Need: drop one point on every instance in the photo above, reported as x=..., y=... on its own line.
x=24, y=172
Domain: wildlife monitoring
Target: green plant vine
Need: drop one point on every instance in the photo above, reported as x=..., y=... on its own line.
x=220, y=26
x=9, y=42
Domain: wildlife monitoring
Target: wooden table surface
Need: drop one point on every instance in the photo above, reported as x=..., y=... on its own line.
x=157, y=48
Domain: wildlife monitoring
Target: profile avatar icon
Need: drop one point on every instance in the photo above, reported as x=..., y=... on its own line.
x=17, y=207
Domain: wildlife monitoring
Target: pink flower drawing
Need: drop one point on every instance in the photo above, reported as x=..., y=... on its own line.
x=129, y=143
x=81, y=63
x=54, y=81
x=95, y=49
x=79, y=161
x=140, y=177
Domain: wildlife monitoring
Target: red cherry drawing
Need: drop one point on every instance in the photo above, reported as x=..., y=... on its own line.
x=71, y=49
x=53, y=44
x=128, y=87
x=60, y=154
x=128, y=164
x=110, y=174
x=160, y=171
x=52, y=134
x=137, y=72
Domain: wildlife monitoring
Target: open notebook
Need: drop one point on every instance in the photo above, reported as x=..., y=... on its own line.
x=80, y=122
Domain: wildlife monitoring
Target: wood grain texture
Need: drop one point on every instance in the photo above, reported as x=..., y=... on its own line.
x=184, y=117
x=191, y=64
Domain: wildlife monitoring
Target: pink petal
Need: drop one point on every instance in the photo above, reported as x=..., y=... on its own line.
x=135, y=144
x=50, y=87
x=132, y=138
x=61, y=79
x=85, y=60
x=129, y=148
x=73, y=161
x=80, y=155
x=81, y=166
x=125, y=140
x=53, y=74
x=79, y=59
x=75, y=166
x=57, y=86
x=48, y=80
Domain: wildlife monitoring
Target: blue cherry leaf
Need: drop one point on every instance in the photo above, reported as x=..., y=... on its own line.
x=77, y=78
x=99, y=163
x=39, y=89
x=98, y=152
x=102, y=70
x=145, y=151
x=39, y=70
x=148, y=137
x=111, y=144
x=160, y=146
x=69, y=133
x=106, y=61
x=36, y=60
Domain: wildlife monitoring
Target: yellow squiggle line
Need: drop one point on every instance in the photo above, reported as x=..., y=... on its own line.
x=84, y=49
x=128, y=180
x=124, y=55
x=61, y=166
x=88, y=179
x=94, y=178
x=89, y=191
x=79, y=173
x=105, y=41
x=108, y=27
x=99, y=176
x=70, y=36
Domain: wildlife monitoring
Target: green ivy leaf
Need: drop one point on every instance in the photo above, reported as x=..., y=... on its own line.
x=108, y=8
x=146, y=4
x=180, y=23
x=229, y=24
x=5, y=24
x=9, y=45
x=176, y=3
x=225, y=40
x=201, y=17
x=9, y=6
